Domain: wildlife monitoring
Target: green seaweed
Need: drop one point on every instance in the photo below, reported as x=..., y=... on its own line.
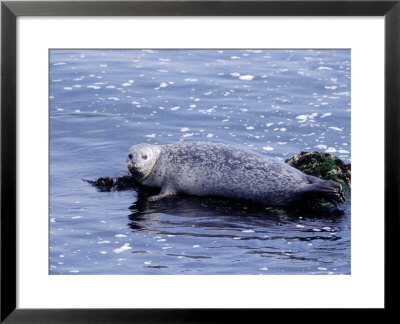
x=322, y=165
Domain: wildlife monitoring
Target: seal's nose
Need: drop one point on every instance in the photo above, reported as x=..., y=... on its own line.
x=131, y=167
x=131, y=164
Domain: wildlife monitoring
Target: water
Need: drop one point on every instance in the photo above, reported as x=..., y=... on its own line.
x=278, y=102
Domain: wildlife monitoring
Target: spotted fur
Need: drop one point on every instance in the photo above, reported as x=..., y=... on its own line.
x=214, y=169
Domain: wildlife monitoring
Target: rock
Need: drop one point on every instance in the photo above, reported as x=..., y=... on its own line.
x=322, y=165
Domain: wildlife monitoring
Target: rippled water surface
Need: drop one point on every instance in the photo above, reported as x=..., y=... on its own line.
x=277, y=102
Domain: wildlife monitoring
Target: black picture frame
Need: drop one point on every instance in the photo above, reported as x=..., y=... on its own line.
x=10, y=10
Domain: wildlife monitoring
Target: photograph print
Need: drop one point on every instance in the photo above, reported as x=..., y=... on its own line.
x=200, y=161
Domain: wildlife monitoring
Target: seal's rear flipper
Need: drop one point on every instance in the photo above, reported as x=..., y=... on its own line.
x=312, y=179
x=327, y=189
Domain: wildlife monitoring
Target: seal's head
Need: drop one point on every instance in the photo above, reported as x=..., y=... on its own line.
x=142, y=159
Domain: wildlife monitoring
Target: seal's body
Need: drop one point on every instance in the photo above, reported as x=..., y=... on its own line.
x=212, y=169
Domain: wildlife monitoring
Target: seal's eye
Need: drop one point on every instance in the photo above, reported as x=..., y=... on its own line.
x=130, y=156
x=144, y=157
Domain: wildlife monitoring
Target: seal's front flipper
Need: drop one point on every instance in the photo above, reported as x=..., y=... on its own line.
x=165, y=192
x=327, y=189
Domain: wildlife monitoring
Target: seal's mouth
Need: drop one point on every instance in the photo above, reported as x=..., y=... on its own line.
x=136, y=173
x=139, y=175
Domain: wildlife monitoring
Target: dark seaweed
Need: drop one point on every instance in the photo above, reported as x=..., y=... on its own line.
x=117, y=184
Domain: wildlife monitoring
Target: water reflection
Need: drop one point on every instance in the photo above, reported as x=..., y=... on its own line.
x=213, y=230
x=215, y=212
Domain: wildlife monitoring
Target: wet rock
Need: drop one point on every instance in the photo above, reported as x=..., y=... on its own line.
x=322, y=165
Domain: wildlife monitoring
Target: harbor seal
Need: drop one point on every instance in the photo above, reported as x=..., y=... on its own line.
x=214, y=169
